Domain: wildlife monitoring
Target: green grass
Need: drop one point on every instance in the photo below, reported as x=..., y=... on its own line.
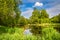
x=7, y=33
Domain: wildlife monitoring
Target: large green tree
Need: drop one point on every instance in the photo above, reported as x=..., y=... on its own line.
x=39, y=16
x=9, y=12
x=44, y=17
x=23, y=21
x=35, y=16
x=44, y=14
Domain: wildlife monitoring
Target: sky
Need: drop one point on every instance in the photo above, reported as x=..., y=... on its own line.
x=51, y=6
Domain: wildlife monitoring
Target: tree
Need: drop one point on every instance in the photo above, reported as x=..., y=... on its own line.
x=44, y=17
x=35, y=16
x=39, y=16
x=9, y=12
x=44, y=14
x=56, y=19
x=23, y=21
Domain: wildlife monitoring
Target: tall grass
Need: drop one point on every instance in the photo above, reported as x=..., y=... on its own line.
x=7, y=33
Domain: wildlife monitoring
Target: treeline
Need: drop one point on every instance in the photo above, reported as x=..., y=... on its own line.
x=10, y=15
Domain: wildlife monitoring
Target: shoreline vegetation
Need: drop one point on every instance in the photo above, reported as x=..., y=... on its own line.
x=16, y=33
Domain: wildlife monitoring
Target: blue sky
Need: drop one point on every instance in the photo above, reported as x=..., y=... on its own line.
x=52, y=7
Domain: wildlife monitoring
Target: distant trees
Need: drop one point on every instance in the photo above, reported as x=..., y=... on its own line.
x=44, y=18
x=56, y=19
x=39, y=16
x=44, y=14
x=35, y=16
x=23, y=21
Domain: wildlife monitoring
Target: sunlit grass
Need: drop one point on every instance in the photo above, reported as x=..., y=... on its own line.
x=18, y=34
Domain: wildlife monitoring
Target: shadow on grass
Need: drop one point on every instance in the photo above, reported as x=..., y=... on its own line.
x=4, y=29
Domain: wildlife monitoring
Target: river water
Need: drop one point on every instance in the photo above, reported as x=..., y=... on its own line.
x=27, y=32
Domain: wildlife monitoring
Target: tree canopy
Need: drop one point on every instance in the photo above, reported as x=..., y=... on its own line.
x=9, y=12
x=56, y=19
x=39, y=16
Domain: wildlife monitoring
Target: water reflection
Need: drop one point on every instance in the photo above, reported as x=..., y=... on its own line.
x=27, y=32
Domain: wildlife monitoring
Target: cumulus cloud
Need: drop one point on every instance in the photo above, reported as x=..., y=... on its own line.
x=27, y=13
x=38, y=4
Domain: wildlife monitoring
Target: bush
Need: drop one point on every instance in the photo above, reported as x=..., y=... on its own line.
x=50, y=34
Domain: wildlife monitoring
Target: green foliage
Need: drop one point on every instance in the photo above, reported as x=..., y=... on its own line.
x=45, y=33
x=35, y=16
x=23, y=21
x=39, y=17
x=44, y=17
x=44, y=14
x=36, y=30
x=56, y=19
x=9, y=12
x=10, y=15
x=17, y=34
x=44, y=20
x=50, y=34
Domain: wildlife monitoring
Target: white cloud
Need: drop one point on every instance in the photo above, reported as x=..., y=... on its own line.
x=54, y=10
x=38, y=4
x=27, y=13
